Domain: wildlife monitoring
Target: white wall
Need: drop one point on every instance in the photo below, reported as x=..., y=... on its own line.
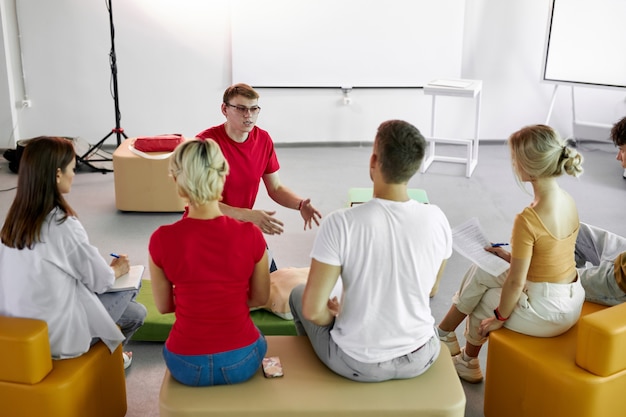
x=8, y=112
x=330, y=43
x=174, y=64
x=504, y=46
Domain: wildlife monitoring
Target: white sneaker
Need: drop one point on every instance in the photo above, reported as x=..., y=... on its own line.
x=128, y=358
x=467, y=370
x=450, y=341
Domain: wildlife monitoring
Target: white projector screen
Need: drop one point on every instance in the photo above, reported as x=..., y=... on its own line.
x=586, y=43
x=346, y=43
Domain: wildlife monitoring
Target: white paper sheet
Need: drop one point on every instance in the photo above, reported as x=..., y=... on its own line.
x=128, y=281
x=469, y=240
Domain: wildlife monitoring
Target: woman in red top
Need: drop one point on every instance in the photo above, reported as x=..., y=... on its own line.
x=209, y=269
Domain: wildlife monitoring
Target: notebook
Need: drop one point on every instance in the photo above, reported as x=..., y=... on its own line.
x=128, y=281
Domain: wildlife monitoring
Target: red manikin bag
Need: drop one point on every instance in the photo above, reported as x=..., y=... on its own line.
x=161, y=143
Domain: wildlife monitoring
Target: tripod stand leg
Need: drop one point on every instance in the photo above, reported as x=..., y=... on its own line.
x=93, y=149
x=85, y=158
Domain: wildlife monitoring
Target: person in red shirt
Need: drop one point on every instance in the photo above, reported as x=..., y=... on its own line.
x=209, y=269
x=250, y=153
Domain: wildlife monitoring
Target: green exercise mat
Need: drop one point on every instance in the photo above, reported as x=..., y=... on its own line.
x=358, y=195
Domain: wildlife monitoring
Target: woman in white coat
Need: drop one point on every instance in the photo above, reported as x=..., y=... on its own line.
x=48, y=268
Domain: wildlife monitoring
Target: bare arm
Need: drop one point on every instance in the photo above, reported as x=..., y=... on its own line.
x=162, y=290
x=435, y=288
x=511, y=291
x=120, y=265
x=315, y=303
x=287, y=198
x=513, y=286
x=262, y=218
x=259, y=283
x=499, y=252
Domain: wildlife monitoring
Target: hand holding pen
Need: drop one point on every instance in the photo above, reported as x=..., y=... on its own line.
x=496, y=249
x=120, y=264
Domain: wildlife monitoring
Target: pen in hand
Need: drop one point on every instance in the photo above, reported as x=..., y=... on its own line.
x=496, y=249
x=120, y=264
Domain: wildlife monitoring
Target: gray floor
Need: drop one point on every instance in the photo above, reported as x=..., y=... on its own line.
x=324, y=174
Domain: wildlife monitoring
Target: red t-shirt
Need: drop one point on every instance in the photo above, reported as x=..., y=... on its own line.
x=248, y=162
x=209, y=263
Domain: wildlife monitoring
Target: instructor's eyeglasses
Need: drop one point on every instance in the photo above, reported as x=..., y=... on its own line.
x=243, y=109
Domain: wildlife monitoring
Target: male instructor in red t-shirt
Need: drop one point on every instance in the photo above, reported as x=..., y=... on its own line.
x=250, y=153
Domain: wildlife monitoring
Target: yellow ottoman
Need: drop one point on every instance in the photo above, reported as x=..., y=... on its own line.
x=143, y=184
x=581, y=373
x=32, y=384
x=310, y=388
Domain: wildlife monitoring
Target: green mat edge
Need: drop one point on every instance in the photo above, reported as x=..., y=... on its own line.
x=358, y=195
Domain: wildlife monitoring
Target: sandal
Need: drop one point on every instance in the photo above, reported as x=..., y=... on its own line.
x=128, y=358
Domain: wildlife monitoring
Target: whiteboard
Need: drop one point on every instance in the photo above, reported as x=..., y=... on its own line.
x=586, y=43
x=346, y=43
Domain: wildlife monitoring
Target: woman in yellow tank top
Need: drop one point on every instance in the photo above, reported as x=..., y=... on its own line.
x=540, y=294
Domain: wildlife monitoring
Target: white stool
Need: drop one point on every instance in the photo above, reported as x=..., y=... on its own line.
x=457, y=88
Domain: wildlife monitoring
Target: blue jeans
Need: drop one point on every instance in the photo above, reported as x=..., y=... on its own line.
x=224, y=368
x=125, y=311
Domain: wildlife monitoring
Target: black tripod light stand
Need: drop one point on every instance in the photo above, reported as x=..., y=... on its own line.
x=86, y=158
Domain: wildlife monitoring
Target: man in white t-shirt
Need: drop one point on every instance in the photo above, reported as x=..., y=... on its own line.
x=388, y=252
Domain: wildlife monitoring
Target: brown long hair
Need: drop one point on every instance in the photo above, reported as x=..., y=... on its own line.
x=37, y=192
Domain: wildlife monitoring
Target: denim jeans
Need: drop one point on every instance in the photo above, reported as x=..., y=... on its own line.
x=406, y=366
x=125, y=311
x=224, y=368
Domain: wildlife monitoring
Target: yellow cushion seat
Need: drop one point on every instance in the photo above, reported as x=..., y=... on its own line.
x=32, y=384
x=580, y=373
